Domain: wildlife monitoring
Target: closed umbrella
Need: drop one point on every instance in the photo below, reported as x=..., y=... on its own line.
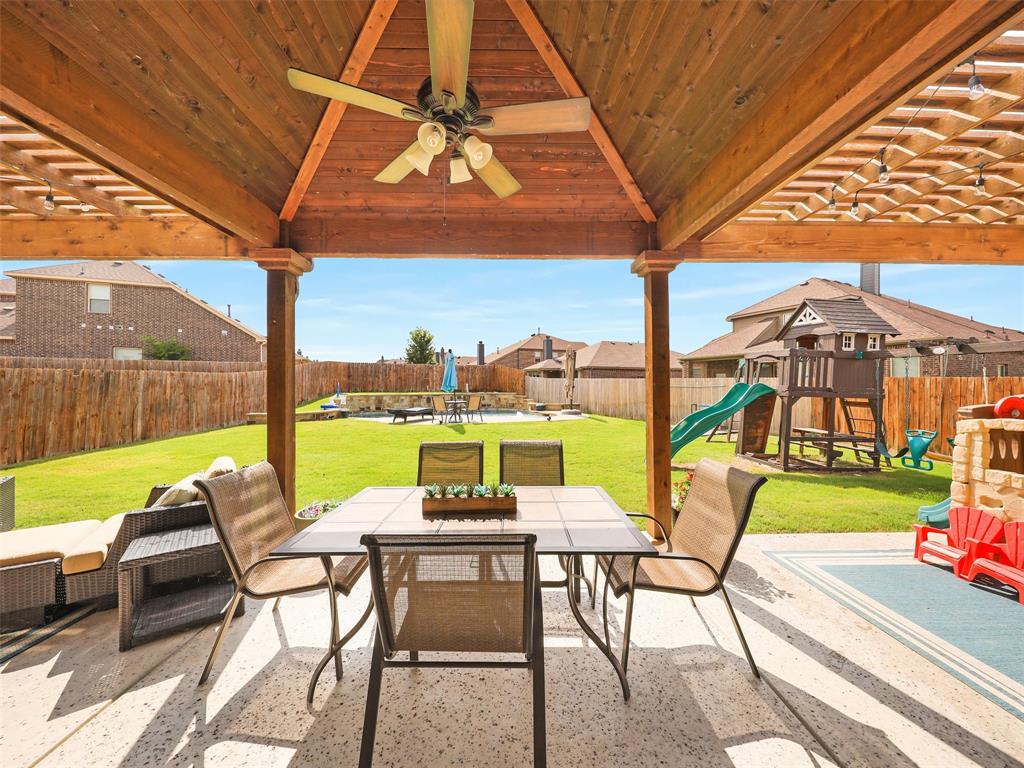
x=450, y=381
x=569, y=365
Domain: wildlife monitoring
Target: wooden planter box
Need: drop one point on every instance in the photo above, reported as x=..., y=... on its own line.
x=473, y=505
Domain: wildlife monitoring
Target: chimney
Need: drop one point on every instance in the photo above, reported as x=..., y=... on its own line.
x=479, y=353
x=870, y=278
x=229, y=310
x=548, y=351
x=437, y=357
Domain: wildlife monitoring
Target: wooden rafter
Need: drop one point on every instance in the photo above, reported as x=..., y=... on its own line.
x=534, y=29
x=11, y=195
x=365, y=45
x=28, y=165
x=62, y=100
x=109, y=239
x=832, y=99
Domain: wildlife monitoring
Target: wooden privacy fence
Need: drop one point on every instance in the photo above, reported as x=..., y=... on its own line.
x=48, y=410
x=624, y=398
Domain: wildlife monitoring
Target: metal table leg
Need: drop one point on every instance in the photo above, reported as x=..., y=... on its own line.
x=602, y=646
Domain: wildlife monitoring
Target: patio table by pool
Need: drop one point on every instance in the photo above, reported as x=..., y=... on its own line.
x=567, y=520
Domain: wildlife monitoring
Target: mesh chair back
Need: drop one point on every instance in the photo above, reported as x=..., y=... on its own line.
x=438, y=404
x=532, y=462
x=451, y=462
x=455, y=593
x=249, y=514
x=473, y=403
x=715, y=513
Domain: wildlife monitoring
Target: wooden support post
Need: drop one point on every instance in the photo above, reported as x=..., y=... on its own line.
x=282, y=289
x=654, y=270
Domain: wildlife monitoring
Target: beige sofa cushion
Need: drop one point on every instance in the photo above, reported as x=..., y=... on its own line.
x=220, y=466
x=181, y=492
x=91, y=552
x=30, y=545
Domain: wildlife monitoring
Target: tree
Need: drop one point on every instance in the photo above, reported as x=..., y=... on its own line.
x=171, y=349
x=420, y=348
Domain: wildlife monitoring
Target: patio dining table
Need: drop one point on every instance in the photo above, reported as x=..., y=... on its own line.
x=567, y=520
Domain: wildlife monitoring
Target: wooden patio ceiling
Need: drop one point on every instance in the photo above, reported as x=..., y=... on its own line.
x=706, y=115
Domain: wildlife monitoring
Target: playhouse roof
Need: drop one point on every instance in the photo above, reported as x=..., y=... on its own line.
x=849, y=315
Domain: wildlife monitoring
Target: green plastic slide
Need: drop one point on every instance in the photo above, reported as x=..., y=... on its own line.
x=699, y=422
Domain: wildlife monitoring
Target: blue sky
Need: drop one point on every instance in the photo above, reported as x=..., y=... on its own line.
x=363, y=309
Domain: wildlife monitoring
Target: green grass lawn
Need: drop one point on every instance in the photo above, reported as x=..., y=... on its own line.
x=338, y=458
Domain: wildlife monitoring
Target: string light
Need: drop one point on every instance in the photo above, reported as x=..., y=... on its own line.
x=48, y=203
x=883, y=169
x=975, y=88
x=979, y=184
x=832, y=199
x=855, y=208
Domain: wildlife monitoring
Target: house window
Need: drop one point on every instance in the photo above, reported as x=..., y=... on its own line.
x=873, y=343
x=99, y=298
x=847, y=342
x=697, y=371
x=1001, y=369
x=127, y=353
x=536, y=357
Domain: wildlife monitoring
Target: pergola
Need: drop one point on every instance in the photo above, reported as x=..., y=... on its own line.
x=720, y=132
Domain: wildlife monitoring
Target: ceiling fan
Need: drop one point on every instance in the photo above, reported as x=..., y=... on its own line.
x=449, y=110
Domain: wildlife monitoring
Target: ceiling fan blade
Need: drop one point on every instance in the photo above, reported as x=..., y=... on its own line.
x=332, y=89
x=496, y=176
x=398, y=168
x=563, y=116
x=449, y=35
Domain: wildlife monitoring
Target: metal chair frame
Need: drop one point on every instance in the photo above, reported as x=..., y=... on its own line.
x=444, y=413
x=719, y=579
x=384, y=642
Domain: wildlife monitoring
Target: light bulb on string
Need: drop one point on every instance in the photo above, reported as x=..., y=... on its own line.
x=48, y=203
x=979, y=183
x=832, y=199
x=975, y=88
x=855, y=208
x=883, y=169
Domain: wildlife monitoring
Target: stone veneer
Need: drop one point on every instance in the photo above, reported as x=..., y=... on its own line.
x=980, y=444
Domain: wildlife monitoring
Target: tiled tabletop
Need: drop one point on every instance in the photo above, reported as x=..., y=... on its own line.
x=567, y=520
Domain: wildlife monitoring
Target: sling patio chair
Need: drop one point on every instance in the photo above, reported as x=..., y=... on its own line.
x=541, y=462
x=466, y=594
x=698, y=551
x=473, y=405
x=441, y=409
x=251, y=518
x=451, y=463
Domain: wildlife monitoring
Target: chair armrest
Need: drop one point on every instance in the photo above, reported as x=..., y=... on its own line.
x=976, y=549
x=664, y=533
x=921, y=532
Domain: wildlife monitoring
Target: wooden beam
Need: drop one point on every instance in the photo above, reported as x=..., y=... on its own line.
x=477, y=237
x=29, y=165
x=62, y=100
x=879, y=56
x=358, y=57
x=79, y=237
x=282, y=288
x=534, y=29
x=285, y=259
x=860, y=242
x=658, y=387
x=23, y=201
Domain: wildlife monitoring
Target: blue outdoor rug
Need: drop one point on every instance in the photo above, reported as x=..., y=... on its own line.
x=971, y=631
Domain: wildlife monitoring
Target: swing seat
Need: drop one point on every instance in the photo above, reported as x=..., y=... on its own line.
x=918, y=442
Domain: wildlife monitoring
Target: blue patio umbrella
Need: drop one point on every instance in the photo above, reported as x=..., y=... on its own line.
x=450, y=381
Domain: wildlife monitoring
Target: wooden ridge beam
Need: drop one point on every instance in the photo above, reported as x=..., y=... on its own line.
x=856, y=76
x=891, y=243
x=376, y=20
x=59, y=98
x=534, y=29
x=29, y=165
x=108, y=239
x=968, y=115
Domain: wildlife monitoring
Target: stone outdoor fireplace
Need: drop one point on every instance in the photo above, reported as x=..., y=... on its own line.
x=988, y=462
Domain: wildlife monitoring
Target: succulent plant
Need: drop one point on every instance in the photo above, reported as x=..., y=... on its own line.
x=432, y=491
x=493, y=489
x=505, y=489
x=459, y=491
x=480, y=491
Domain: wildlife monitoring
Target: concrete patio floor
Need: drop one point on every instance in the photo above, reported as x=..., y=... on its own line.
x=836, y=690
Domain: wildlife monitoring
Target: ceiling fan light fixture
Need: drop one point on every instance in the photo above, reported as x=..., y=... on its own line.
x=459, y=170
x=479, y=153
x=419, y=158
x=431, y=137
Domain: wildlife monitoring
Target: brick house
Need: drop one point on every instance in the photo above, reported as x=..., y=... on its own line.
x=605, y=360
x=971, y=348
x=104, y=309
x=530, y=350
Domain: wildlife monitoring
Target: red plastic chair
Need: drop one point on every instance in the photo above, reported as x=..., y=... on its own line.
x=1003, y=562
x=964, y=523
